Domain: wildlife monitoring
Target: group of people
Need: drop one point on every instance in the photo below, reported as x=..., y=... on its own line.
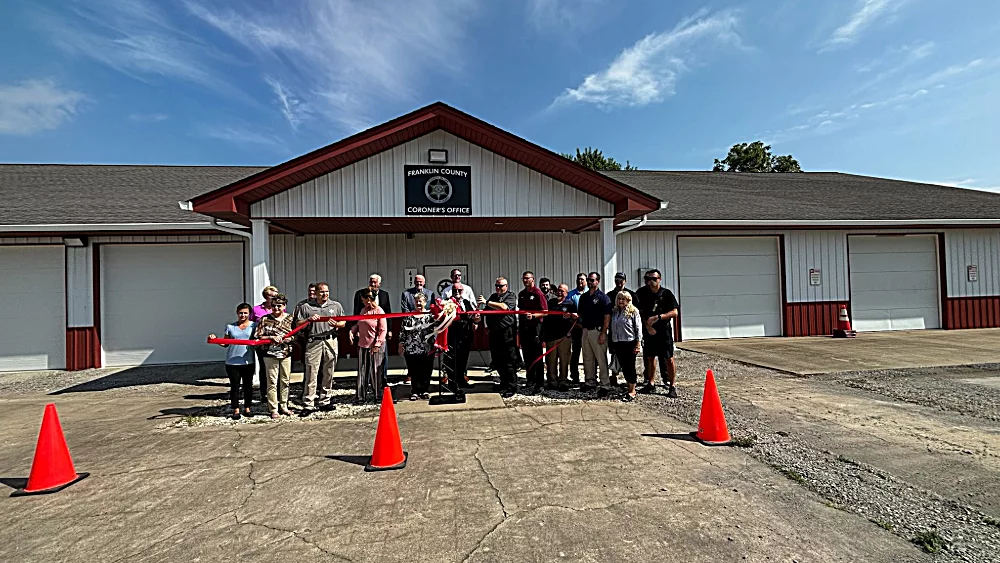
x=609, y=329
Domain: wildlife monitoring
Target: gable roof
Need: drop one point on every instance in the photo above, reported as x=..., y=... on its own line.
x=806, y=197
x=232, y=202
x=61, y=194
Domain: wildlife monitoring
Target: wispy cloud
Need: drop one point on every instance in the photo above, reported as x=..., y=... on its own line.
x=344, y=59
x=866, y=14
x=570, y=15
x=970, y=184
x=291, y=107
x=148, y=117
x=134, y=37
x=648, y=71
x=901, y=96
x=241, y=135
x=36, y=105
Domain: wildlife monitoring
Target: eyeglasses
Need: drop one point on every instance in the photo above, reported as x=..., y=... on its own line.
x=501, y=285
x=595, y=280
x=650, y=278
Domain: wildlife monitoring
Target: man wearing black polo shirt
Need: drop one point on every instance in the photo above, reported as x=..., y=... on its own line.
x=613, y=296
x=530, y=331
x=657, y=306
x=555, y=330
x=503, y=343
x=595, y=315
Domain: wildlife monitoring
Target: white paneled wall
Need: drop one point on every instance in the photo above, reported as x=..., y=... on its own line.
x=345, y=261
x=374, y=187
x=80, y=286
x=822, y=250
x=973, y=247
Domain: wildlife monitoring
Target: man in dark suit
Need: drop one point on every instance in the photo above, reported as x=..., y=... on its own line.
x=375, y=284
x=456, y=360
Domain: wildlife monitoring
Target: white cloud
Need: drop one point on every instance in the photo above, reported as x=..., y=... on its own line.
x=571, y=15
x=148, y=117
x=865, y=15
x=291, y=107
x=344, y=59
x=969, y=184
x=134, y=37
x=36, y=105
x=241, y=135
x=647, y=72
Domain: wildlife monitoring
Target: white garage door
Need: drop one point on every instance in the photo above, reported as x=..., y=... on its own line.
x=33, y=308
x=159, y=301
x=894, y=282
x=729, y=287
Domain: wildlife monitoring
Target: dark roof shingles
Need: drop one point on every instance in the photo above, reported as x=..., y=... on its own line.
x=807, y=196
x=46, y=194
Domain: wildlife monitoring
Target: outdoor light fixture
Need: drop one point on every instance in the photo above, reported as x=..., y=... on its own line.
x=75, y=241
x=437, y=156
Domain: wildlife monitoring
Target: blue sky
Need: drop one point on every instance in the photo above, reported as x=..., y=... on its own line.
x=895, y=88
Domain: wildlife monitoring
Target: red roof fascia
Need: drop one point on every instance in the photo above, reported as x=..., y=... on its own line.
x=236, y=197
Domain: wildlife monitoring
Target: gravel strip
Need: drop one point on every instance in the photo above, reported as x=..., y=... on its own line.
x=219, y=413
x=926, y=387
x=957, y=532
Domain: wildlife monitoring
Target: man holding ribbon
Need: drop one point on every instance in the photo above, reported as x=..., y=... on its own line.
x=502, y=329
x=530, y=330
x=321, y=347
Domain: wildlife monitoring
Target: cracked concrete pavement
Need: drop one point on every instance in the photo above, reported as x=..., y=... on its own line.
x=595, y=481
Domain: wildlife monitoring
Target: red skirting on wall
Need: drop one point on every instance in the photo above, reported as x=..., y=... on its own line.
x=816, y=318
x=972, y=312
x=83, y=348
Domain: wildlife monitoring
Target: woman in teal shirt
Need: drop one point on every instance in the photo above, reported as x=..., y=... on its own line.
x=240, y=360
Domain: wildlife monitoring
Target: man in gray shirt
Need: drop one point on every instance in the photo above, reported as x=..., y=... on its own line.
x=406, y=300
x=321, y=348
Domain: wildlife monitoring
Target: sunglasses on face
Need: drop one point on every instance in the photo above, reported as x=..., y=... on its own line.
x=650, y=278
x=501, y=285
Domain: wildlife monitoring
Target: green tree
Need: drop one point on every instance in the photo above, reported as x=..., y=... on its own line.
x=755, y=157
x=595, y=160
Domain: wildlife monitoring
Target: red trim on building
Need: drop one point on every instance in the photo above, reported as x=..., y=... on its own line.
x=83, y=348
x=972, y=312
x=232, y=202
x=816, y=318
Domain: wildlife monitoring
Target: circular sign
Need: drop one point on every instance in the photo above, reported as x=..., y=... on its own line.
x=442, y=285
x=438, y=190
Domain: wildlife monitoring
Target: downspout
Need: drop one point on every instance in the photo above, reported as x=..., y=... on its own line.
x=186, y=206
x=642, y=220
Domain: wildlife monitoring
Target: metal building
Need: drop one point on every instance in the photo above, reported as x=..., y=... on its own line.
x=746, y=254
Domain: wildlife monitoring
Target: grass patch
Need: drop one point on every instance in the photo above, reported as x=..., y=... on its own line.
x=884, y=525
x=834, y=505
x=930, y=541
x=744, y=441
x=793, y=475
x=192, y=420
x=991, y=522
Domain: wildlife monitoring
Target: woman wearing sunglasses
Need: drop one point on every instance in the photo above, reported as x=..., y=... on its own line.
x=277, y=355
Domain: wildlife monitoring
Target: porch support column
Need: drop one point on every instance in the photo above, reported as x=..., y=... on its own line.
x=260, y=256
x=609, y=253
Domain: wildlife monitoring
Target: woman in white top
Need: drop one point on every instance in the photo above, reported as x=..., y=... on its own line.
x=626, y=331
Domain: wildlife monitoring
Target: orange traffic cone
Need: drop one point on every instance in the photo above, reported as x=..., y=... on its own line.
x=712, y=429
x=388, y=452
x=52, y=469
x=843, y=329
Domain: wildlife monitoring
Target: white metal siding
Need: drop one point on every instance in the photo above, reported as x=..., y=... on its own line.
x=345, y=261
x=967, y=247
x=374, y=187
x=158, y=301
x=729, y=287
x=825, y=250
x=79, y=286
x=33, y=315
x=894, y=282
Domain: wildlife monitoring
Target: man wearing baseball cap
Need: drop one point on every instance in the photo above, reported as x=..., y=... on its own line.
x=613, y=296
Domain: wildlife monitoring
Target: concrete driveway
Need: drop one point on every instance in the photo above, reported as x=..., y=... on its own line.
x=869, y=351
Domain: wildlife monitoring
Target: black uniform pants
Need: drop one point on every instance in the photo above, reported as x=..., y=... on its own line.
x=531, y=350
x=240, y=376
x=456, y=362
x=503, y=349
x=574, y=358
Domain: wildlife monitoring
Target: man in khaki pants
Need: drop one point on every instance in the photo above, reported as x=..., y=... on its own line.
x=555, y=329
x=321, y=348
x=595, y=315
